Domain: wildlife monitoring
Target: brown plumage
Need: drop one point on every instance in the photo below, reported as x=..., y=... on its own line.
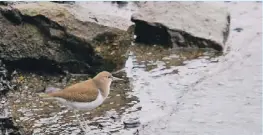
x=85, y=91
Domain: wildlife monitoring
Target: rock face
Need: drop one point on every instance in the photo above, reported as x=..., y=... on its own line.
x=199, y=24
x=111, y=14
x=45, y=36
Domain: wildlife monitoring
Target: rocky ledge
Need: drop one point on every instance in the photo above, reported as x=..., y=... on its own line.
x=182, y=24
x=46, y=37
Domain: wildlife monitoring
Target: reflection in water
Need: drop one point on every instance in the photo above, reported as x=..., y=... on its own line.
x=155, y=81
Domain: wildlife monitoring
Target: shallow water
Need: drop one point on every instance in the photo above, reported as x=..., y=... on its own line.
x=167, y=91
x=152, y=83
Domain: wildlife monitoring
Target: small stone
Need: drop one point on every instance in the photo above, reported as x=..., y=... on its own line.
x=139, y=108
x=136, y=132
x=100, y=126
x=238, y=29
x=131, y=123
x=113, y=117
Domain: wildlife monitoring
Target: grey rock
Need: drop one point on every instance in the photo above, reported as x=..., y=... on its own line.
x=34, y=38
x=184, y=24
x=112, y=14
x=20, y=47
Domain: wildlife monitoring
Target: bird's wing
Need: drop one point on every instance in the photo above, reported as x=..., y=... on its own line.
x=81, y=92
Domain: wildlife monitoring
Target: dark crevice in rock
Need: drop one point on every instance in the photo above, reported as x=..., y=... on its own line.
x=158, y=34
x=49, y=67
x=5, y=3
x=151, y=34
x=34, y=65
x=120, y=3
x=64, y=2
x=13, y=16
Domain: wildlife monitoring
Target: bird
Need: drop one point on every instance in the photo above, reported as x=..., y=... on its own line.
x=86, y=95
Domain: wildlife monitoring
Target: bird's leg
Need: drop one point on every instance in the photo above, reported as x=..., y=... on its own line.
x=79, y=121
x=85, y=126
x=85, y=122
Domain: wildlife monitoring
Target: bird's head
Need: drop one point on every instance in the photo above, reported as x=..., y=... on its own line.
x=105, y=78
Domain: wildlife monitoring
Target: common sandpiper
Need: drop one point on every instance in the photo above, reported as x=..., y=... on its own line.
x=86, y=95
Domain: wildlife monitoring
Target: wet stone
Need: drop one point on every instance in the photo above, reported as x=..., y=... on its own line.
x=132, y=123
x=136, y=132
x=238, y=29
x=115, y=117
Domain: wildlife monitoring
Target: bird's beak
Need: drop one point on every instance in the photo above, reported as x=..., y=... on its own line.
x=116, y=79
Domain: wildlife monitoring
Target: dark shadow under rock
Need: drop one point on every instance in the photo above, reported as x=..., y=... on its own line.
x=120, y=3
x=5, y=3
x=151, y=34
x=64, y=2
x=158, y=34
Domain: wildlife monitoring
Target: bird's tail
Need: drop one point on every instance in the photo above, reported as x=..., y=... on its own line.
x=51, y=89
x=47, y=90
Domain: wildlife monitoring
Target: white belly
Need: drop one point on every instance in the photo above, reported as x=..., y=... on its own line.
x=83, y=105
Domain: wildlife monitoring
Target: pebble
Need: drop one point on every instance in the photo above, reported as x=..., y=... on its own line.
x=131, y=123
x=238, y=29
